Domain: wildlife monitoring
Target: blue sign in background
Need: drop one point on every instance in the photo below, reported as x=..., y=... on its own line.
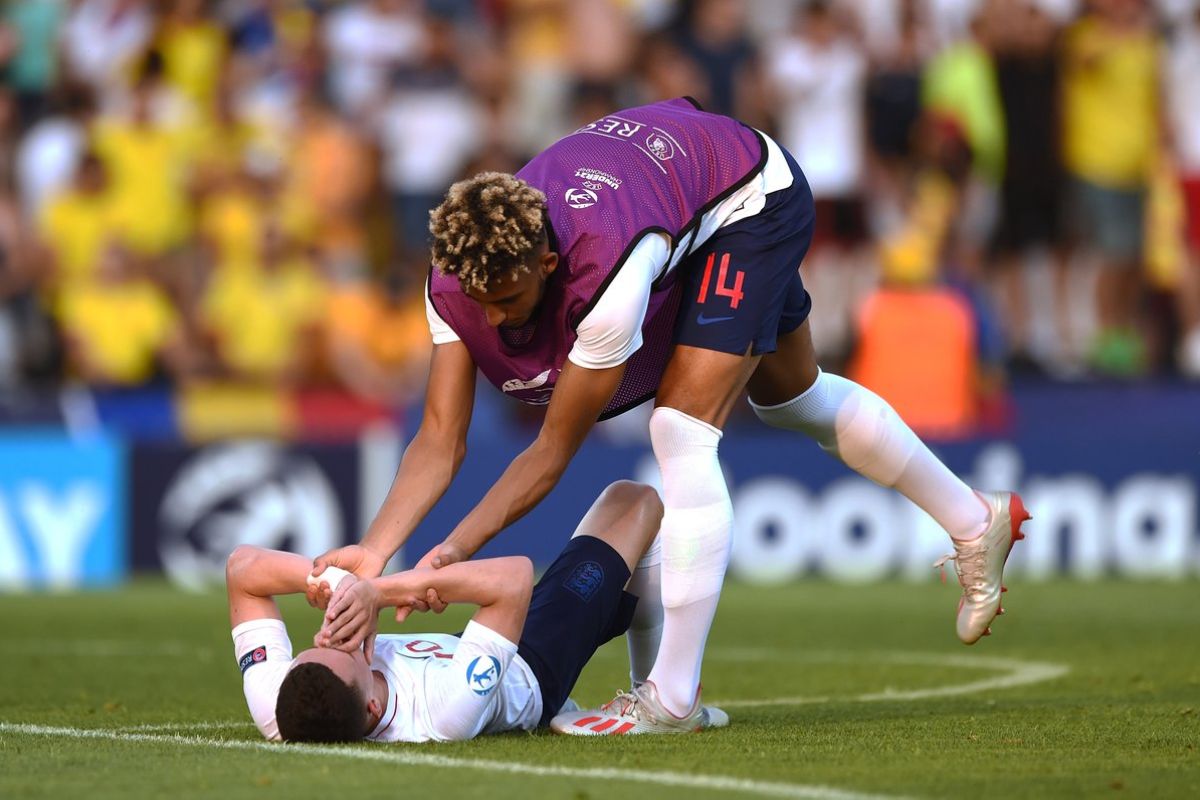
x=62, y=509
x=1103, y=438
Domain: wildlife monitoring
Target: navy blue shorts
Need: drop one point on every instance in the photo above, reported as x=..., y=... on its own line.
x=578, y=605
x=742, y=288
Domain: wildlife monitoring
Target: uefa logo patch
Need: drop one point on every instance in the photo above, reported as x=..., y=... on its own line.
x=585, y=580
x=661, y=147
x=581, y=198
x=255, y=656
x=483, y=673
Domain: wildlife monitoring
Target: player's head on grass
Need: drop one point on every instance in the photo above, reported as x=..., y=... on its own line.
x=325, y=697
x=490, y=233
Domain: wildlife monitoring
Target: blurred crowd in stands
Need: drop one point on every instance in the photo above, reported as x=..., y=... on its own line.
x=238, y=190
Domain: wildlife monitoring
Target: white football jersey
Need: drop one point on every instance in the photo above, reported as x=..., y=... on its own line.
x=441, y=687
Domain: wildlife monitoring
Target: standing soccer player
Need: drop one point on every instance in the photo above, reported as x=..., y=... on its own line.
x=652, y=253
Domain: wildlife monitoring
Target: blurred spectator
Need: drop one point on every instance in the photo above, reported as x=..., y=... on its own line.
x=29, y=33
x=893, y=107
x=27, y=342
x=1110, y=140
x=120, y=327
x=193, y=49
x=714, y=35
x=367, y=41
x=143, y=147
x=960, y=85
x=230, y=219
x=666, y=71
x=263, y=317
x=535, y=51
x=50, y=151
x=429, y=129
x=1031, y=201
x=76, y=224
x=1183, y=95
x=602, y=41
x=101, y=40
x=817, y=73
x=916, y=310
x=328, y=182
x=378, y=338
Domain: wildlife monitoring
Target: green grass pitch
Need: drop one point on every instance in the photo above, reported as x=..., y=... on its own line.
x=1085, y=690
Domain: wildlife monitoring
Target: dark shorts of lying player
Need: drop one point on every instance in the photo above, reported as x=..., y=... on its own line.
x=512, y=668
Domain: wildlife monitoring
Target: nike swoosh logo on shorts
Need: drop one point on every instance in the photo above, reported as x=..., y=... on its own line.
x=703, y=320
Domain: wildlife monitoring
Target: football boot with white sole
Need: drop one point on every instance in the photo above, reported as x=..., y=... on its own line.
x=635, y=712
x=979, y=563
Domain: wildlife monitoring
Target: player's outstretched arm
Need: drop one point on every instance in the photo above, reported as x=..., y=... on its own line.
x=501, y=587
x=253, y=576
x=579, y=397
x=430, y=462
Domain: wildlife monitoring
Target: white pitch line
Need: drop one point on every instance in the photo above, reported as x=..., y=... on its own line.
x=1019, y=673
x=393, y=755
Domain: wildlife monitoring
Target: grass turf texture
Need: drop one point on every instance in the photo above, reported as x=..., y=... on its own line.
x=1123, y=721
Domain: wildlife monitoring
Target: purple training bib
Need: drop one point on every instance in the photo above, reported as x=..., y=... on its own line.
x=658, y=167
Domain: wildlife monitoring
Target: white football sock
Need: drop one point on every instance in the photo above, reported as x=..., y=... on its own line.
x=645, y=630
x=859, y=427
x=696, y=535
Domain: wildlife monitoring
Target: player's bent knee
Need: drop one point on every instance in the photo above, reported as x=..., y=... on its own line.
x=629, y=494
x=634, y=512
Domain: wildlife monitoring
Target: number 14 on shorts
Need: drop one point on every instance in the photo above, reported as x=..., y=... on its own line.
x=734, y=293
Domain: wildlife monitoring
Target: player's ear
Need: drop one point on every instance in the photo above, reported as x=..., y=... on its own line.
x=548, y=263
x=374, y=707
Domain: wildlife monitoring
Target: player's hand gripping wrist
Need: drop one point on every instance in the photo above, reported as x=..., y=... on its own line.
x=352, y=617
x=359, y=559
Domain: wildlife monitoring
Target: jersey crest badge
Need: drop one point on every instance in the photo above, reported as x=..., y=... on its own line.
x=585, y=580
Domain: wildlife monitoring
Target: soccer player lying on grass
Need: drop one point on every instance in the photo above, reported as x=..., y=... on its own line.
x=511, y=669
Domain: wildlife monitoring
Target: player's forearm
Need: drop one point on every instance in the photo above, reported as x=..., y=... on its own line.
x=528, y=479
x=484, y=583
x=428, y=466
x=253, y=574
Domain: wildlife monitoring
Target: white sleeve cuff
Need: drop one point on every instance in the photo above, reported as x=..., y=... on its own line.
x=258, y=624
x=439, y=329
x=482, y=634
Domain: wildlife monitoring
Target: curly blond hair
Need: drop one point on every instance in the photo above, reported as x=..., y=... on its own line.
x=487, y=226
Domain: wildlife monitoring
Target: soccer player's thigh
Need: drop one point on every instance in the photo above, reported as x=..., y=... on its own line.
x=788, y=372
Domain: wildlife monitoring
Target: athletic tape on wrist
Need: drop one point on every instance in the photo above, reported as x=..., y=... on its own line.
x=332, y=575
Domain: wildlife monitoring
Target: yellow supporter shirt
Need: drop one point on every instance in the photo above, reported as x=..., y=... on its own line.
x=121, y=327
x=214, y=146
x=147, y=168
x=258, y=315
x=1110, y=104
x=232, y=220
x=76, y=227
x=193, y=55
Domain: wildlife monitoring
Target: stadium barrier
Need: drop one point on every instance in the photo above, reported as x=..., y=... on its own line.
x=1111, y=476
